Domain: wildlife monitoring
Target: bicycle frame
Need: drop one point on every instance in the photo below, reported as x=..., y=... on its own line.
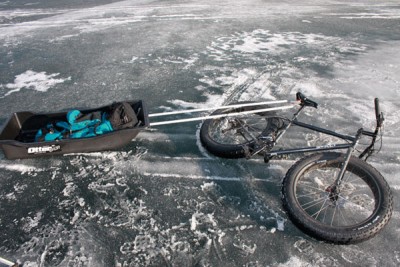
x=350, y=145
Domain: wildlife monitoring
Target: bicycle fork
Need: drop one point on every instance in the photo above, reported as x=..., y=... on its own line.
x=334, y=189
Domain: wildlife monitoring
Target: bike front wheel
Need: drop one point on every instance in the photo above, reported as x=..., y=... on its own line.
x=351, y=212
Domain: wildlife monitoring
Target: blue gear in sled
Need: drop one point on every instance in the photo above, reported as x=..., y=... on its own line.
x=77, y=125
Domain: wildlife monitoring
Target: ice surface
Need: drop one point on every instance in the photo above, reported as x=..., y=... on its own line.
x=38, y=81
x=163, y=200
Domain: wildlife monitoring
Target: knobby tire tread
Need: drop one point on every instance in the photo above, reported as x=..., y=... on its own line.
x=334, y=235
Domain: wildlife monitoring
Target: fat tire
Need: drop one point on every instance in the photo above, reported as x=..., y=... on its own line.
x=345, y=234
x=236, y=150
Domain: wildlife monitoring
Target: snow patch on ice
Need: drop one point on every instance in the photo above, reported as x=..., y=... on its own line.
x=69, y=189
x=31, y=223
x=20, y=168
x=62, y=38
x=208, y=186
x=24, y=13
x=309, y=88
x=373, y=12
x=200, y=220
x=300, y=57
x=260, y=42
x=38, y=81
x=195, y=177
x=295, y=261
x=10, y=196
x=246, y=249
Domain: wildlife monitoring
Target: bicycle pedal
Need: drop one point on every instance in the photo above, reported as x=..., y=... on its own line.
x=267, y=158
x=268, y=138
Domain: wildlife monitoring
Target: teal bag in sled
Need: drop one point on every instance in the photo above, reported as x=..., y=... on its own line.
x=79, y=125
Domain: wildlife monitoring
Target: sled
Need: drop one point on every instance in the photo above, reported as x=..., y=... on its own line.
x=17, y=138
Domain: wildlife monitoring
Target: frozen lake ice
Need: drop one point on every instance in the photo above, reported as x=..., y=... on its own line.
x=163, y=200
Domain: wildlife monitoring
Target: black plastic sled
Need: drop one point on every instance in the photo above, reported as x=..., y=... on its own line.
x=17, y=138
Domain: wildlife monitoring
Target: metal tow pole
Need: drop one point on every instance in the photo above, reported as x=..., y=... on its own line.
x=219, y=115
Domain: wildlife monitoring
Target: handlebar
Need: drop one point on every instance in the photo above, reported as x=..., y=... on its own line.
x=379, y=122
x=304, y=101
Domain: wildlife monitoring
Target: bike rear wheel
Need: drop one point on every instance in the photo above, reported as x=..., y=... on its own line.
x=354, y=212
x=235, y=137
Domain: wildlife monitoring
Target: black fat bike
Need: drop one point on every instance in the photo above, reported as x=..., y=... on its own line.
x=332, y=196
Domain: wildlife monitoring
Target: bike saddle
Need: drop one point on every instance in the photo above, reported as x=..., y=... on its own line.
x=305, y=101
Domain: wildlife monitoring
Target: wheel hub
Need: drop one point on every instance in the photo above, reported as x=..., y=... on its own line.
x=333, y=193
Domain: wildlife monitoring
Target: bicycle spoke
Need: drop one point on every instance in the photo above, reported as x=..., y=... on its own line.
x=348, y=180
x=248, y=132
x=352, y=202
x=330, y=205
x=238, y=130
x=307, y=195
x=313, y=187
x=333, y=216
x=323, y=207
x=344, y=219
x=313, y=203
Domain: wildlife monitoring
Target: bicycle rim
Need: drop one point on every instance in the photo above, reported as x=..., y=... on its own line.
x=237, y=130
x=352, y=203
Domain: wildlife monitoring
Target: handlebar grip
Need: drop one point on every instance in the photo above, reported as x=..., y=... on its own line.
x=378, y=113
x=377, y=109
